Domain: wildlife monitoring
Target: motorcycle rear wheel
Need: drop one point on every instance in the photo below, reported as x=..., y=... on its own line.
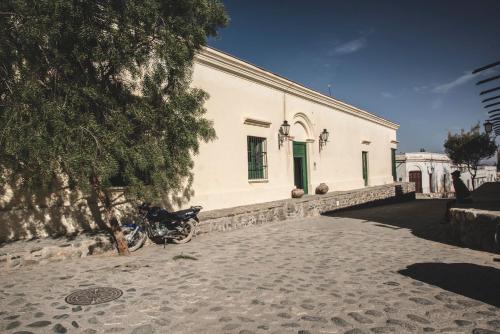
x=185, y=235
x=137, y=241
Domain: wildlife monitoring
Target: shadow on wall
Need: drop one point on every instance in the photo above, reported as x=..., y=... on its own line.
x=470, y=280
x=25, y=214
x=62, y=212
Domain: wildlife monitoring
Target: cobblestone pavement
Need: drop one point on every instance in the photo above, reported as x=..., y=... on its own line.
x=319, y=275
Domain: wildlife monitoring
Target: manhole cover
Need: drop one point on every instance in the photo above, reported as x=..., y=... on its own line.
x=93, y=296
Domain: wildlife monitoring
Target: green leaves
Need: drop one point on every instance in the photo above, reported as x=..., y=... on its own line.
x=69, y=103
x=469, y=148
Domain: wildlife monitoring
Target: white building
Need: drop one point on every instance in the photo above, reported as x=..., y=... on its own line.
x=484, y=174
x=431, y=172
x=250, y=162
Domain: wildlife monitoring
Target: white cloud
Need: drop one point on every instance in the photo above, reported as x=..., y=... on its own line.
x=448, y=86
x=349, y=47
x=387, y=95
x=461, y=80
x=436, y=104
x=419, y=89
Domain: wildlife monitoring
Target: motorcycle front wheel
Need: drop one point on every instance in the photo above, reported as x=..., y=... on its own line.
x=136, y=241
x=185, y=235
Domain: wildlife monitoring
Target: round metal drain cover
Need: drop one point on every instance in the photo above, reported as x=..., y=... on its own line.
x=93, y=296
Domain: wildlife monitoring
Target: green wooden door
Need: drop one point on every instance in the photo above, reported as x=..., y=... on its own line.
x=365, y=167
x=393, y=162
x=300, y=165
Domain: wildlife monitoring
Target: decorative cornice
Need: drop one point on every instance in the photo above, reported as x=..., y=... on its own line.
x=230, y=64
x=423, y=157
x=257, y=122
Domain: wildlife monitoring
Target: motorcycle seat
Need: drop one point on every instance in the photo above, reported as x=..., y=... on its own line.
x=181, y=214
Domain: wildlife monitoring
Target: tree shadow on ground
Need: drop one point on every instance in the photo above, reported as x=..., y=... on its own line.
x=425, y=218
x=470, y=280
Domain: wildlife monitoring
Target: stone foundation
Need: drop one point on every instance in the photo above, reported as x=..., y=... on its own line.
x=308, y=206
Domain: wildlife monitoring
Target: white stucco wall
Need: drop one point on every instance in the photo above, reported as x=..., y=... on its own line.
x=433, y=166
x=238, y=92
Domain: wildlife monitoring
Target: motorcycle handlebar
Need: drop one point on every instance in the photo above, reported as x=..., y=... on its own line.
x=143, y=207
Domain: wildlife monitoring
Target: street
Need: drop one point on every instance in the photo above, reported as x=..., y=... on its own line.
x=375, y=270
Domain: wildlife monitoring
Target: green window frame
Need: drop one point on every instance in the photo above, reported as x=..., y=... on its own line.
x=393, y=164
x=364, y=161
x=257, y=158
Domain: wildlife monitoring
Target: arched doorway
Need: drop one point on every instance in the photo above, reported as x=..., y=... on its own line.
x=301, y=132
x=300, y=166
x=415, y=176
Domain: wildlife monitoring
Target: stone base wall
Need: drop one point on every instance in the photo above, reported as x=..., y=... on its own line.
x=308, y=206
x=435, y=195
x=476, y=228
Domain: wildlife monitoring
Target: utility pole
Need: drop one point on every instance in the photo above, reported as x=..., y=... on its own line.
x=330, y=90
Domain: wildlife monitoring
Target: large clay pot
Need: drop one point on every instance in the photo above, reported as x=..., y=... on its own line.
x=297, y=193
x=321, y=189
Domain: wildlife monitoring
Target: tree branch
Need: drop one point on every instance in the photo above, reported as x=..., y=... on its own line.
x=11, y=14
x=98, y=146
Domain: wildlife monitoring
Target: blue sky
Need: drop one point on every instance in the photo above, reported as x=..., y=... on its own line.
x=407, y=61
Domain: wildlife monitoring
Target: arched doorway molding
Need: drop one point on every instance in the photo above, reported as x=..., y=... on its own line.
x=303, y=135
x=301, y=119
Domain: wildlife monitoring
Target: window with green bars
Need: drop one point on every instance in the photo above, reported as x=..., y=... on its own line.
x=393, y=164
x=257, y=158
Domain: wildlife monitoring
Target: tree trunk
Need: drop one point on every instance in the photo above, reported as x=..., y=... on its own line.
x=472, y=175
x=121, y=243
x=110, y=217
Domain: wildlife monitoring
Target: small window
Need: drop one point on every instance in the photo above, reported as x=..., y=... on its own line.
x=257, y=158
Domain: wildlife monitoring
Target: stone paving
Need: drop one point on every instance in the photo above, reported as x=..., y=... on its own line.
x=339, y=274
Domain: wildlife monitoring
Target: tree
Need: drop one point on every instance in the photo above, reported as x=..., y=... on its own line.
x=99, y=90
x=469, y=148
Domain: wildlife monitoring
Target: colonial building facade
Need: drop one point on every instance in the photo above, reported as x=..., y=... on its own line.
x=252, y=160
x=431, y=172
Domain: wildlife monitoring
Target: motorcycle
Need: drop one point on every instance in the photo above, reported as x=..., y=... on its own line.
x=161, y=225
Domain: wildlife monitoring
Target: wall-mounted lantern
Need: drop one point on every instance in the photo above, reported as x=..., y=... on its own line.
x=488, y=127
x=283, y=133
x=323, y=139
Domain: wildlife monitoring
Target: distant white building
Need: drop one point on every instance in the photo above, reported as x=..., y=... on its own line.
x=431, y=172
x=484, y=174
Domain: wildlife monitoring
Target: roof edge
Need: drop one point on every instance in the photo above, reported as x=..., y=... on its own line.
x=226, y=62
